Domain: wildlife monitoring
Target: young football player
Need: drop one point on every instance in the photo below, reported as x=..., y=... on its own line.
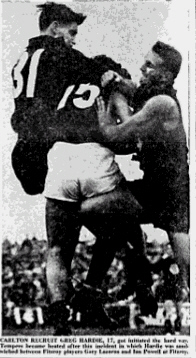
x=55, y=88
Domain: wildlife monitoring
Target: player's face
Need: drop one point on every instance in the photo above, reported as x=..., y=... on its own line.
x=68, y=32
x=154, y=256
x=152, y=62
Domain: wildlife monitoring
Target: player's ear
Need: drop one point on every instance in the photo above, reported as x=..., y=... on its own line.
x=54, y=28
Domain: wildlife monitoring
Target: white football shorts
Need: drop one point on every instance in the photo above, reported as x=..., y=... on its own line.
x=79, y=171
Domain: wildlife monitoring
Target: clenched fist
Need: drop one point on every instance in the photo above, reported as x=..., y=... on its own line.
x=110, y=76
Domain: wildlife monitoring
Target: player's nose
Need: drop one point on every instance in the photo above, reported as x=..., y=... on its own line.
x=143, y=69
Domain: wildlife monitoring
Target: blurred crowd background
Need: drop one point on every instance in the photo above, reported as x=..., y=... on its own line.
x=24, y=296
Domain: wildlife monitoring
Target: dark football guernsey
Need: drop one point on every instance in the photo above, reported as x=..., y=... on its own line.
x=164, y=189
x=45, y=76
x=43, y=79
x=55, y=88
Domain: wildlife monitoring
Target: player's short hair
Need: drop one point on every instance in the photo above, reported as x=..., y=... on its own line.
x=105, y=63
x=171, y=57
x=51, y=11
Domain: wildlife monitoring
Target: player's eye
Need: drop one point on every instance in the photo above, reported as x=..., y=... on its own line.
x=149, y=64
x=73, y=32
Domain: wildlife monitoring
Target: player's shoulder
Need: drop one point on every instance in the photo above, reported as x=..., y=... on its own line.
x=165, y=109
x=77, y=54
x=162, y=99
x=163, y=103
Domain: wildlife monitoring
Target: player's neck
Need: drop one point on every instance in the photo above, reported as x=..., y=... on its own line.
x=47, y=32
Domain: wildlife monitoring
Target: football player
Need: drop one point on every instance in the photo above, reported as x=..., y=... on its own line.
x=157, y=127
x=55, y=88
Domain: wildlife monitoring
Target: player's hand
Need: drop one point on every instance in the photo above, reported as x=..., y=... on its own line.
x=106, y=123
x=110, y=76
x=101, y=111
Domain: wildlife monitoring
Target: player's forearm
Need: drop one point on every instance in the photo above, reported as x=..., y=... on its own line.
x=123, y=111
x=131, y=127
x=127, y=88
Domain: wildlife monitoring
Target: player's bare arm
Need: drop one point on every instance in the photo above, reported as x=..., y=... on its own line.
x=159, y=112
x=117, y=108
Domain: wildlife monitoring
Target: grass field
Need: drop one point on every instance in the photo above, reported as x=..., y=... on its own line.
x=93, y=332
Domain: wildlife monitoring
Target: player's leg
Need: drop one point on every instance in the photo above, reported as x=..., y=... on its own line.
x=139, y=280
x=178, y=228
x=63, y=227
x=169, y=188
x=89, y=300
x=112, y=233
x=181, y=247
x=168, y=209
x=117, y=216
x=112, y=217
x=102, y=215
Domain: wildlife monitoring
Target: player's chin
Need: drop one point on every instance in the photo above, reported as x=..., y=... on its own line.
x=69, y=44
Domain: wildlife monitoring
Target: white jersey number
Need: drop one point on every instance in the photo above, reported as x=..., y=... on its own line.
x=80, y=102
x=32, y=73
x=94, y=92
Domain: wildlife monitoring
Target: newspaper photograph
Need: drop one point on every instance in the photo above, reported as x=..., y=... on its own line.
x=98, y=179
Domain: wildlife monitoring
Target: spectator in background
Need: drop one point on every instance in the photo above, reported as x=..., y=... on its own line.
x=165, y=272
x=24, y=283
x=167, y=284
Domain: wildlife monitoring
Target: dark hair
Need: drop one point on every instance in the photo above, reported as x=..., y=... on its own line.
x=105, y=63
x=171, y=57
x=51, y=11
